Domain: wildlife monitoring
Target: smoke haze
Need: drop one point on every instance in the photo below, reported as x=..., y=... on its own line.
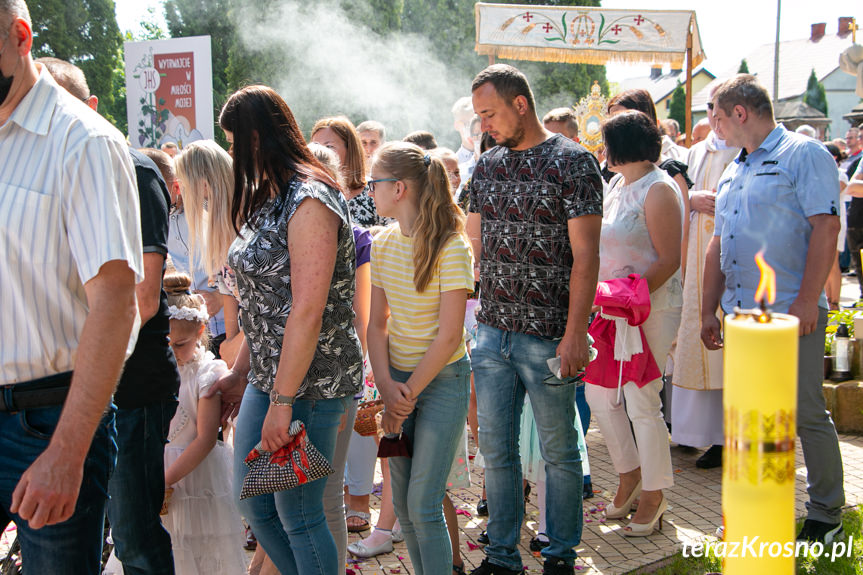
x=336, y=66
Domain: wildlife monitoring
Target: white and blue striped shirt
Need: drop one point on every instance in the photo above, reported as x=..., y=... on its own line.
x=68, y=204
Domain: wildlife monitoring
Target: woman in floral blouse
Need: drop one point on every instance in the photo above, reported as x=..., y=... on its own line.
x=294, y=263
x=339, y=134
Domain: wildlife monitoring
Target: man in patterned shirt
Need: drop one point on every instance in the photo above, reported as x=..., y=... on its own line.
x=535, y=217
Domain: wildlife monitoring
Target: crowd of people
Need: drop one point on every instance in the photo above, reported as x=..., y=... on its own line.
x=515, y=288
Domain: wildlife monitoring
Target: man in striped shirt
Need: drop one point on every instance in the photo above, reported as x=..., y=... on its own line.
x=71, y=250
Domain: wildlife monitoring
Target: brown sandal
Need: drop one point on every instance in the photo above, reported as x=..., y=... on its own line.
x=364, y=526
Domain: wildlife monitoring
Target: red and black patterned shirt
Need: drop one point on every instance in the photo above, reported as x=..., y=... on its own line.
x=525, y=199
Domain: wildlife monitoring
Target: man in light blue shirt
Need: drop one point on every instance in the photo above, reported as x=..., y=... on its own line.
x=781, y=195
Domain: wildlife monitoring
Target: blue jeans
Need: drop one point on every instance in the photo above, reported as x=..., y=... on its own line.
x=291, y=525
x=583, y=409
x=419, y=482
x=584, y=416
x=137, y=489
x=506, y=365
x=73, y=547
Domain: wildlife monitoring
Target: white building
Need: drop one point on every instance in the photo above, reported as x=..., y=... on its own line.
x=797, y=59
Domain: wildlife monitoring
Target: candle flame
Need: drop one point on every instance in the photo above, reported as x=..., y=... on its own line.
x=766, y=291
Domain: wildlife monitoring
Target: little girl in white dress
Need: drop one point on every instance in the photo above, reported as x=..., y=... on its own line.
x=202, y=518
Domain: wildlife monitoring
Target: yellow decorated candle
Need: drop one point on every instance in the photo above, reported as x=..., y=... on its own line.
x=760, y=404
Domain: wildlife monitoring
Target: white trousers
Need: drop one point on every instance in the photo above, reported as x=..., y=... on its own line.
x=649, y=447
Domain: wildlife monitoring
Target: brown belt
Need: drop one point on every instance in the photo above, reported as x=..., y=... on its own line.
x=47, y=391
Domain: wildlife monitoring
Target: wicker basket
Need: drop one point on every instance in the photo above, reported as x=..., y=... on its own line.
x=365, y=424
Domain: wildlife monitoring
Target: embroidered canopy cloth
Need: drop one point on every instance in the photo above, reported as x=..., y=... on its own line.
x=584, y=34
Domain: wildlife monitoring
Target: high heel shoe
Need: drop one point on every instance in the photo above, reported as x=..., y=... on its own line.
x=645, y=529
x=612, y=512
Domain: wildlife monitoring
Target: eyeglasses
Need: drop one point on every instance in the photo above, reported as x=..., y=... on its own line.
x=578, y=378
x=371, y=183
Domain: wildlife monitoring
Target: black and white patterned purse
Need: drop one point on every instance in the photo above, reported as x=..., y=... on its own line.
x=294, y=464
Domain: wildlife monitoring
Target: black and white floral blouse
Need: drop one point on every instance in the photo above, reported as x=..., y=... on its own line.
x=262, y=265
x=364, y=213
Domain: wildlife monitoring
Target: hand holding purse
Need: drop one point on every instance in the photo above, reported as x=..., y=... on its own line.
x=394, y=445
x=297, y=463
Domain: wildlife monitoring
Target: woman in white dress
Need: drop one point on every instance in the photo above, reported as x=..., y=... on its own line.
x=641, y=234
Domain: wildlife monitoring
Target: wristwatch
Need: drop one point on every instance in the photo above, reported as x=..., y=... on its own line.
x=276, y=399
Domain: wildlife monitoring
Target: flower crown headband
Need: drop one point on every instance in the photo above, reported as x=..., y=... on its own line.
x=187, y=313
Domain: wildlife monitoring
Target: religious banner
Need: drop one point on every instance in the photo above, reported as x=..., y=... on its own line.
x=583, y=34
x=169, y=91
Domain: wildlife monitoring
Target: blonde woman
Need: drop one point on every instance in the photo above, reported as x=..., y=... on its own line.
x=422, y=273
x=206, y=176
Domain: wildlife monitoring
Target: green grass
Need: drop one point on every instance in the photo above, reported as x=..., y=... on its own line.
x=852, y=521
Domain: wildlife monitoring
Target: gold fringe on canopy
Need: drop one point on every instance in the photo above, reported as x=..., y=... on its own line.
x=582, y=56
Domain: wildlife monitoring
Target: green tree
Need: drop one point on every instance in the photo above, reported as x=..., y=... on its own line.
x=115, y=110
x=744, y=67
x=815, y=95
x=206, y=18
x=451, y=27
x=560, y=84
x=83, y=32
x=446, y=26
x=677, y=109
x=252, y=66
x=380, y=16
x=148, y=29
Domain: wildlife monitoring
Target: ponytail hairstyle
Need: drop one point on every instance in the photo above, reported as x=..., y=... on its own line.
x=439, y=218
x=185, y=306
x=206, y=172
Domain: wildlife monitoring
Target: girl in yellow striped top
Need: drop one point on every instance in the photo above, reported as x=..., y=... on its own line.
x=422, y=273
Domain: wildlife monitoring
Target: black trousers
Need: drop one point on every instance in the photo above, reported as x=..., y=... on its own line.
x=217, y=340
x=854, y=237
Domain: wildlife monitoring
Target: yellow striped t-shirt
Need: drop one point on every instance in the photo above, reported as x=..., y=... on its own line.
x=415, y=317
